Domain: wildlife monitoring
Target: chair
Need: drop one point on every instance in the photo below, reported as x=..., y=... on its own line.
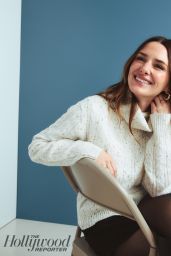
x=97, y=184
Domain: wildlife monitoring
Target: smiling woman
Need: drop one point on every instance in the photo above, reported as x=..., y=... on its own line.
x=127, y=129
x=149, y=74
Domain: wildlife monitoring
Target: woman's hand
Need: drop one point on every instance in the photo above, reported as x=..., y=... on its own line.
x=106, y=161
x=159, y=105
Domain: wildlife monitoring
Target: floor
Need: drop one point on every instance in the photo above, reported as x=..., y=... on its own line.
x=34, y=238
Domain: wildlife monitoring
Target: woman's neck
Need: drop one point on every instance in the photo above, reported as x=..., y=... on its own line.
x=145, y=106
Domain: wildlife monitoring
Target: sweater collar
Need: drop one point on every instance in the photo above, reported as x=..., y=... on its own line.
x=139, y=121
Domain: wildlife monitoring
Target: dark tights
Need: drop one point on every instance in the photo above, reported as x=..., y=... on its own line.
x=157, y=213
x=120, y=236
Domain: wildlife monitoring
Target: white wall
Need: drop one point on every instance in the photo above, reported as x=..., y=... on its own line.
x=10, y=23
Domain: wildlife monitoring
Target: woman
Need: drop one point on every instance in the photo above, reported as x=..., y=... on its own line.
x=127, y=129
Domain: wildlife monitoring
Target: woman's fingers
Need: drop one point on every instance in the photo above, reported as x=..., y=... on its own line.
x=157, y=101
x=111, y=168
x=161, y=99
x=159, y=105
x=106, y=161
x=153, y=107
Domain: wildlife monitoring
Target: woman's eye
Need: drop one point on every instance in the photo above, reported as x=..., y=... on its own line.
x=141, y=58
x=159, y=66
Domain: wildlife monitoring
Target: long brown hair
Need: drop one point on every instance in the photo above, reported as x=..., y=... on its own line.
x=119, y=93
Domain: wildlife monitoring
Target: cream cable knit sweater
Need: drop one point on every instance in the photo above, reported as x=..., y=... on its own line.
x=87, y=128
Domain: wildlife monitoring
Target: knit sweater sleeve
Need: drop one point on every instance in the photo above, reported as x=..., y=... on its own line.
x=65, y=142
x=157, y=178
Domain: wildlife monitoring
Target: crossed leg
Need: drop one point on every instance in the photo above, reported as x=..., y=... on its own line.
x=157, y=212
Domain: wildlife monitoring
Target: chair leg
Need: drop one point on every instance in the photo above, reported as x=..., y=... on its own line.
x=78, y=232
x=77, y=235
x=153, y=252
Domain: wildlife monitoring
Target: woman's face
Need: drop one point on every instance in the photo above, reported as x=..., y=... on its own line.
x=149, y=72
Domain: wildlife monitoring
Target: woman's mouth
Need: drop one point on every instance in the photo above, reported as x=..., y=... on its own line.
x=142, y=81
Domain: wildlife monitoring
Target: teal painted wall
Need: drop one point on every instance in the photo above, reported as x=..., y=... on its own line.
x=70, y=50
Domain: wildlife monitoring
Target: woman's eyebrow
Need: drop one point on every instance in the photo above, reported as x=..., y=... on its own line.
x=158, y=60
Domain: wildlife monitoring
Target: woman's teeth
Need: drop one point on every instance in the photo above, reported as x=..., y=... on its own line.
x=142, y=81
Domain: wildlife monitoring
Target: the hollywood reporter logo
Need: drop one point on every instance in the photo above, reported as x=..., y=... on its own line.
x=35, y=243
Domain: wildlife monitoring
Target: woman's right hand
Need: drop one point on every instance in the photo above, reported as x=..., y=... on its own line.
x=106, y=161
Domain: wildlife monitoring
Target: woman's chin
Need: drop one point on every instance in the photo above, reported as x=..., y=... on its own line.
x=142, y=94
x=140, y=90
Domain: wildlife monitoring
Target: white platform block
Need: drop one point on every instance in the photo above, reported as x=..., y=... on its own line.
x=34, y=238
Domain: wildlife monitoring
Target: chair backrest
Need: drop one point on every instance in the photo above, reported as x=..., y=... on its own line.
x=97, y=184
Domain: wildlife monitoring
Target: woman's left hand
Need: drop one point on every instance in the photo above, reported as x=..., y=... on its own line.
x=159, y=105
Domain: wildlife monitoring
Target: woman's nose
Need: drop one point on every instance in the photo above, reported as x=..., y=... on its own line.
x=145, y=68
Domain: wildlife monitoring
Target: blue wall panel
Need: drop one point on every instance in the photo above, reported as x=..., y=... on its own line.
x=69, y=50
